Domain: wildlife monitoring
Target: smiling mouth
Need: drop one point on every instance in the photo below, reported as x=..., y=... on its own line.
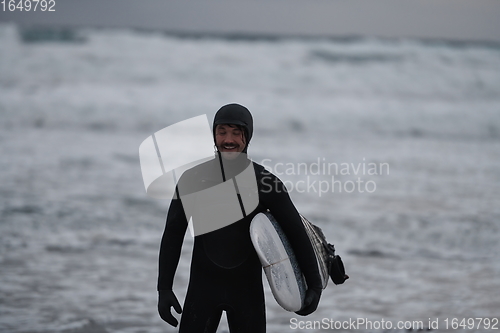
x=229, y=147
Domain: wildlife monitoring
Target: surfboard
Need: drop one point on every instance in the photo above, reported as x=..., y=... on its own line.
x=278, y=260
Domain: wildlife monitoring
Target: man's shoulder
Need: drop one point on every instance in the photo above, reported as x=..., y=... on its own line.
x=268, y=182
x=261, y=171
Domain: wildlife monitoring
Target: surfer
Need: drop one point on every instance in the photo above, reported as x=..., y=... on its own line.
x=226, y=274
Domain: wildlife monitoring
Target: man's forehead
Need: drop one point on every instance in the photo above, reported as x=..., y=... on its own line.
x=222, y=126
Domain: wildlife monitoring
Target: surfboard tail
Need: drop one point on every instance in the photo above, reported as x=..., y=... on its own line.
x=278, y=260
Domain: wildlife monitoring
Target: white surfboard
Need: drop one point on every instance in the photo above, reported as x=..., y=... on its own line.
x=278, y=260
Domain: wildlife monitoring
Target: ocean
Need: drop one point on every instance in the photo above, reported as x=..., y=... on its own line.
x=391, y=146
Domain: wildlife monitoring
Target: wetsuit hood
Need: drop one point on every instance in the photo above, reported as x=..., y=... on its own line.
x=235, y=114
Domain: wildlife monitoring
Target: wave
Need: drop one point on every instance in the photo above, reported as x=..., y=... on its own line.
x=51, y=34
x=355, y=58
x=58, y=33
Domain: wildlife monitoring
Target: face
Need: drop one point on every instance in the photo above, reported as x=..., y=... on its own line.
x=230, y=140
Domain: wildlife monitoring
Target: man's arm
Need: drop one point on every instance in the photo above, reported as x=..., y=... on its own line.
x=170, y=252
x=171, y=245
x=277, y=200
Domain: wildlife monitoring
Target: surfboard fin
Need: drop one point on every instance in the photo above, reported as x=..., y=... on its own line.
x=336, y=268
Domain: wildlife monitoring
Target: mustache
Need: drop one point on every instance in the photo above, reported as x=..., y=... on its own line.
x=233, y=145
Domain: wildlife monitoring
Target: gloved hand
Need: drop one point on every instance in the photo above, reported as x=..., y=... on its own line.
x=167, y=299
x=311, y=301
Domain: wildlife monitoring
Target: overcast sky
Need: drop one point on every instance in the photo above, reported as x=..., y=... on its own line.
x=448, y=19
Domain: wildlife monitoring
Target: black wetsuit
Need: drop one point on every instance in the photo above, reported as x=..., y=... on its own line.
x=226, y=274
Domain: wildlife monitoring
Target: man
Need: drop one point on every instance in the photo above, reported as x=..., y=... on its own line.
x=226, y=274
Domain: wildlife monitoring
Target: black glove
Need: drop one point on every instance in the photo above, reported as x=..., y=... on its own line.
x=311, y=301
x=167, y=299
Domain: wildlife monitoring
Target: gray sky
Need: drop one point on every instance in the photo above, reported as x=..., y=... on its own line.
x=448, y=19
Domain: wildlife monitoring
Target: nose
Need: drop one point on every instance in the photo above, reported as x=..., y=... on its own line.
x=230, y=138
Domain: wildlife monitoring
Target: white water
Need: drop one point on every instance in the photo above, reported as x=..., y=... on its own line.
x=79, y=237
